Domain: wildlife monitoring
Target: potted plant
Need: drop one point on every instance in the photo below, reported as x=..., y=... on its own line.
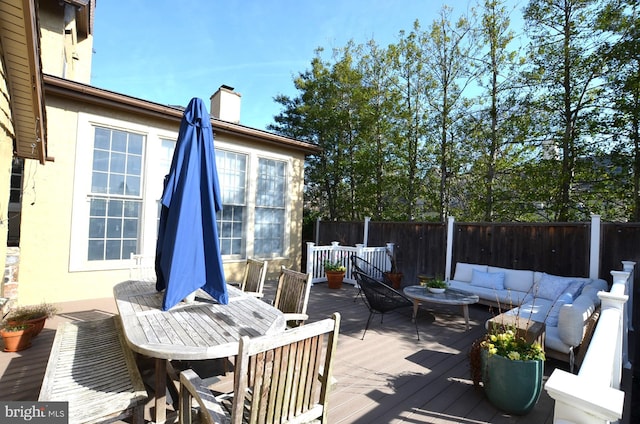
x=32, y=314
x=437, y=285
x=335, y=273
x=510, y=369
x=393, y=274
x=16, y=337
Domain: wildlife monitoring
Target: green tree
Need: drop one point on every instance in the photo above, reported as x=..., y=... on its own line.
x=565, y=79
x=620, y=18
x=410, y=84
x=447, y=51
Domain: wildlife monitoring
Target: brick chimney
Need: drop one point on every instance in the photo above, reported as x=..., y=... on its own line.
x=225, y=104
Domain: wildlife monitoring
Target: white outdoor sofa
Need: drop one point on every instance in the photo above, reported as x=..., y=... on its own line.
x=569, y=306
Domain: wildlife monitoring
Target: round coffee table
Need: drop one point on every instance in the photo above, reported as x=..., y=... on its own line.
x=449, y=297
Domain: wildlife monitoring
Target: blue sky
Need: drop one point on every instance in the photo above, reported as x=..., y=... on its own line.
x=170, y=51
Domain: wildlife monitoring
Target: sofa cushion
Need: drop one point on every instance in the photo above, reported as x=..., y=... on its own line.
x=536, y=310
x=490, y=280
x=553, y=341
x=515, y=279
x=464, y=271
x=572, y=319
x=551, y=287
x=565, y=298
x=592, y=288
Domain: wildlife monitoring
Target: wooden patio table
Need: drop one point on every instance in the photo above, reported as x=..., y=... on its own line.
x=202, y=329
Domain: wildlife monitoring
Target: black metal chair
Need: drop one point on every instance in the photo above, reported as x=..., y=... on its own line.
x=365, y=267
x=381, y=298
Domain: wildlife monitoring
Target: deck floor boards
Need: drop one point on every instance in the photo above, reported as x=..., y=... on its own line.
x=389, y=377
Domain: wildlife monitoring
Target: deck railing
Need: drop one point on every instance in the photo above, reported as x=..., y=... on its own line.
x=593, y=395
x=318, y=255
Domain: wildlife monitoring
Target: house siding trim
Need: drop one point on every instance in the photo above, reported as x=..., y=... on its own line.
x=89, y=94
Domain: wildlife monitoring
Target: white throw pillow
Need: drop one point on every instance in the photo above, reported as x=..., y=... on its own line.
x=464, y=270
x=490, y=280
x=551, y=287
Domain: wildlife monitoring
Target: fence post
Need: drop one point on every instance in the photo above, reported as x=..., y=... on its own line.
x=310, y=259
x=629, y=267
x=365, y=236
x=449, y=252
x=594, y=252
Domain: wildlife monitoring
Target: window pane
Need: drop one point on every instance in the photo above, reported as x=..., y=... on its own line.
x=114, y=228
x=135, y=144
x=116, y=207
x=96, y=228
x=129, y=247
x=98, y=207
x=102, y=140
x=99, y=182
x=116, y=184
x=132, y=186
x=112, y=250
x=101, y=160
x=114, y=222
x=270, y=208
x=117, y=162
x=130, y=229
x=118, y=141
x=96, y=250
x=232, y=173
x=134, y=165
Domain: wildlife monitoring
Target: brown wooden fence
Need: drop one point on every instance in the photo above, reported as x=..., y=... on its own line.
x=555, y=248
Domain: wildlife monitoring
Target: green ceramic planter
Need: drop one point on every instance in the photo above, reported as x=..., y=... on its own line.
x=512, y=386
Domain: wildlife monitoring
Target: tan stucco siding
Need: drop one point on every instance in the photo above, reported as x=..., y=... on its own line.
x=63, y=55
x=45, y=270
x=6, y=154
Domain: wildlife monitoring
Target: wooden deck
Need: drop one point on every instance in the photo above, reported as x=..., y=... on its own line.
x=389, y=377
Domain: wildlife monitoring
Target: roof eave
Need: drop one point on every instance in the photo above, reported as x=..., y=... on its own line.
x=89, y=94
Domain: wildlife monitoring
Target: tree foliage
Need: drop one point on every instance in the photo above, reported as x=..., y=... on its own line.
x=454, y=120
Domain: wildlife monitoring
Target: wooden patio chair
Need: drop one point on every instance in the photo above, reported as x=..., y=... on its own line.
x=380, y=298
x=283, y=377
x=254, y=275
x=292, y=295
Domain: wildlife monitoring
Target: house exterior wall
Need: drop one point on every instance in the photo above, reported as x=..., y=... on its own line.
x=63, y=53
x=47, y=271
x=9, y=287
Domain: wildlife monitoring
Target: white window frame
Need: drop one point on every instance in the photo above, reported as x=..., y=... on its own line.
x=252, y=177
x=152, y=178
x=152, y=186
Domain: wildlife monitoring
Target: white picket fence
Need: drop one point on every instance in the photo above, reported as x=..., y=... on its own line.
x=318, y=255
x=593, y=396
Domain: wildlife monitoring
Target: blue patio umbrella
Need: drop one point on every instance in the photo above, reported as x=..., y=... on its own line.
x=187, y=250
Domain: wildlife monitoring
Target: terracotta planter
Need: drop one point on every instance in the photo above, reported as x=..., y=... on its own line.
x=395, y=278
x=334, y=279
x=38, y=325
x=15, y=341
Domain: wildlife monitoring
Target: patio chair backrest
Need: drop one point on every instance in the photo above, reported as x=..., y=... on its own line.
x=380, y=297
x=365, y=267
x=292, y=295
x=254, y=275
x=284, y=377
